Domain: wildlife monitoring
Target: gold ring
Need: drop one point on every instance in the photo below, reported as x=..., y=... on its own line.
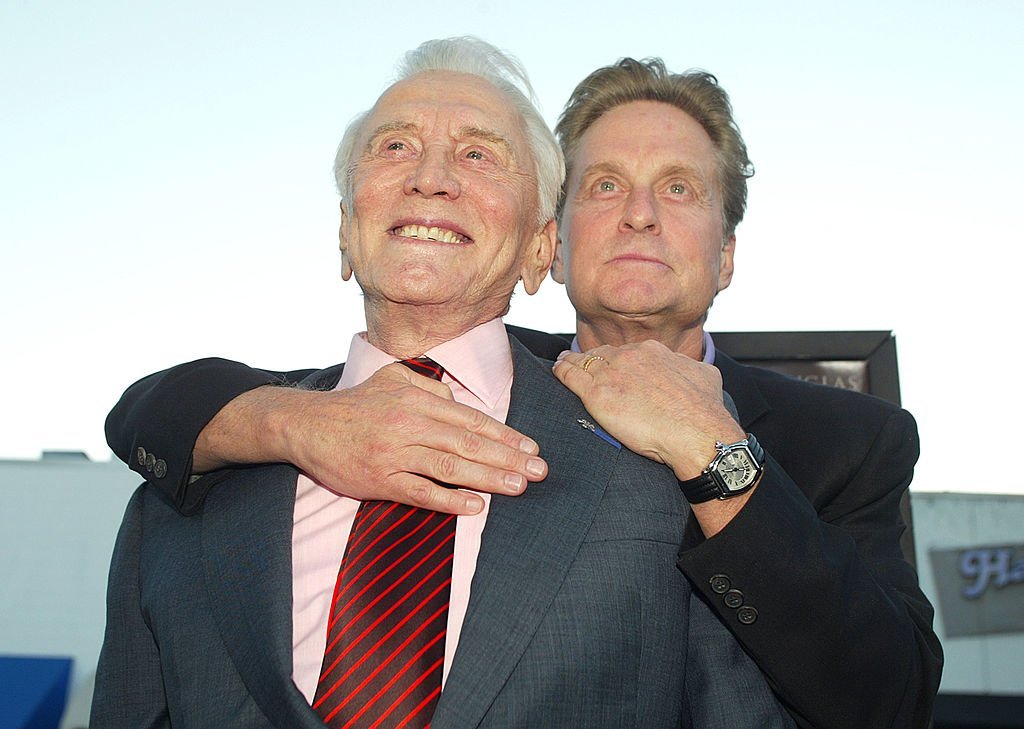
x=591, y=360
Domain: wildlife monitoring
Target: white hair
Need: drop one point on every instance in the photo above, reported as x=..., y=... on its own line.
x=475, y=57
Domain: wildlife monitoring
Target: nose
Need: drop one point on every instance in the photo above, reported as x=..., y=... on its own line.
x=434, y=175
x=640, y=214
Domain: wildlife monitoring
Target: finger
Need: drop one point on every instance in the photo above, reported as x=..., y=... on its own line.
x=468, y=420
x=487, y=466
x=572, y=358
x=456, y=455
x=495, y=431
x=459, y=445
x=430, y=385
x=573, y=377
x=423, y=382
x=605, y=350
x=462, y=415
x=422, y=492
x=587, y=360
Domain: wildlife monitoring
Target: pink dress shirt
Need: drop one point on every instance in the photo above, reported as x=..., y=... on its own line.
x=479, y=372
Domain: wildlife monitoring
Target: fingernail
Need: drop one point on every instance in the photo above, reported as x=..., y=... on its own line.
x=515, y=483
x=535, y=467
x=528, y=446
x=561, y=355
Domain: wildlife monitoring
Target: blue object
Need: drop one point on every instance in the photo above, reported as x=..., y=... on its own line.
x=33, y=691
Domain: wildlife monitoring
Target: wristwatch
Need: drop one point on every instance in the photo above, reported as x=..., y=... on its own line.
x=734, y=471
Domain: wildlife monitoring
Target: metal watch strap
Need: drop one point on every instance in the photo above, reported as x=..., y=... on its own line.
x=705, y=488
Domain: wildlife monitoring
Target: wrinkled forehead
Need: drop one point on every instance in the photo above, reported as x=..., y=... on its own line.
x=451, y=104
x=646, y=137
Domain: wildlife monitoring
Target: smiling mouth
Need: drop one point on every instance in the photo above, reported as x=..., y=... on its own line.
x=431, y=233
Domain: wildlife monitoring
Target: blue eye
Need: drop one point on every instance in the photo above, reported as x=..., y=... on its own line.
x=474, y=154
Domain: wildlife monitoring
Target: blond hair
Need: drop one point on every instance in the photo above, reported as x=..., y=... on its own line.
x=696, y=93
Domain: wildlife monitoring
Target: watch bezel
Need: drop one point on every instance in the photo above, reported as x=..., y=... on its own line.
x=725, y=451
x=710, y=484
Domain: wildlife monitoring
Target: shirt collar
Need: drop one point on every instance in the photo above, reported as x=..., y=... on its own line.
x=480, y=360
x=709, y=348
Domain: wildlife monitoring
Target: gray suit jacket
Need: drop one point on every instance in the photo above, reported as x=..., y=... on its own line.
x=578, y=615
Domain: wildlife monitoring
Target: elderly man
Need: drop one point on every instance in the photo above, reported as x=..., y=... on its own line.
x=803, y=566
x=298, y=607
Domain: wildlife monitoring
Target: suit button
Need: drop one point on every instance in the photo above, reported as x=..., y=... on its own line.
x=160, y=468
x=140, y=455
x=720, y=584
x=150, y=462
x=733, y=599
x=747, y=615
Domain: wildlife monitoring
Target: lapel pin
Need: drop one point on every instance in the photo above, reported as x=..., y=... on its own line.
x=593, y=428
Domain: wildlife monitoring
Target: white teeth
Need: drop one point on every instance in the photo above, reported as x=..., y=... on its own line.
x=441, y=235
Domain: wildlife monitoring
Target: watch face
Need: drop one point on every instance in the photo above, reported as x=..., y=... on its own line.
x=736, y=470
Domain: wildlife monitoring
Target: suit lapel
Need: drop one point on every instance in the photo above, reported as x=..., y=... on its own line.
x=529, y=542
x=750, y=402
x=247, y=567
x=247, y=549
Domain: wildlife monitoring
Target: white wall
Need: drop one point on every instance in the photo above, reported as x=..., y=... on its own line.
x=57, y=528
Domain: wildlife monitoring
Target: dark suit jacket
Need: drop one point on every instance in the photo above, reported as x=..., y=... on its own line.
x=578, y=616
x=842, y=630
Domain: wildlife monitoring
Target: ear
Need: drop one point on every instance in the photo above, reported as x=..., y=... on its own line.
x=725, y=264
x=538, y=256
x=346, y=265
x=558, y=266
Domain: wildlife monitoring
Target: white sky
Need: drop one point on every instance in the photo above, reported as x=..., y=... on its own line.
x=166, y=194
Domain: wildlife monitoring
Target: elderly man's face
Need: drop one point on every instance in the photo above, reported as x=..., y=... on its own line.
x=642, y=223
x=444, y=199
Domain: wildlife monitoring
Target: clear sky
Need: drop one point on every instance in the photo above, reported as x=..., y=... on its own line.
x=165, y=187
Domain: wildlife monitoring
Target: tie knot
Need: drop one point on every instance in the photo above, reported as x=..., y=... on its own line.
x=425, y=366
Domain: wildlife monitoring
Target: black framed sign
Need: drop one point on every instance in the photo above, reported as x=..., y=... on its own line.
x=855, y=360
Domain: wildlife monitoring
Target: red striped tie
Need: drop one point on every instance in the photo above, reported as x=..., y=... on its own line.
x=389, y=615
